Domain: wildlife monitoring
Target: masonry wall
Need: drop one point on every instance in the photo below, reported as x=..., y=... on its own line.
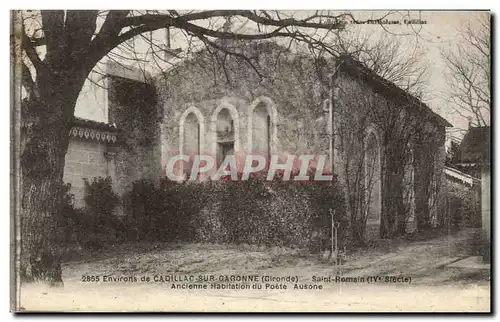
x=290, y=88
x=84, y=159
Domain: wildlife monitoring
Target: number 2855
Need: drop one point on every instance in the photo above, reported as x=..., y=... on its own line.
x=90, y=278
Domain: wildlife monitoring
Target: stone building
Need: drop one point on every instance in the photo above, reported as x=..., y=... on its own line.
x=91, y=153
x=385, y=147
x=120, y=145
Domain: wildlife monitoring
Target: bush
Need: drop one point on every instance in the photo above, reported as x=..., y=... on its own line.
x=255, y=211
x=69, y=216
x=324, y=196
x=278, y=213
x=474, y=244
x=160, y=212
x=139, y=221
x=461, y=208
x=97, y=223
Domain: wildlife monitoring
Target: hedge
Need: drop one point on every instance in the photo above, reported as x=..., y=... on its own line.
x=255, y=211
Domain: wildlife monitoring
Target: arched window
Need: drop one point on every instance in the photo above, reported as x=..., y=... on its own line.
x=225, y=132
x=262, y=127
x=373, y=180
x=191, y=134
x=261, y=131
x=225, y=135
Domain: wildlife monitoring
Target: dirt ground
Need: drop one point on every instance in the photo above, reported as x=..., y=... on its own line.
x=397, y=275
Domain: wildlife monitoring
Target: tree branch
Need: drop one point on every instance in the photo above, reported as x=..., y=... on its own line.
x=30, y=50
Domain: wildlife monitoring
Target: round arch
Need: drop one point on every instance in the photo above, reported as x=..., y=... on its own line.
x=201, y=121
x=273, y=114
x=213, y=126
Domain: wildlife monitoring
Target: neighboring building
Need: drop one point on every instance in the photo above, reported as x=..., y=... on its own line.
x=90, y=154
x=386, y=147
x=473, y=155
x=120, y=148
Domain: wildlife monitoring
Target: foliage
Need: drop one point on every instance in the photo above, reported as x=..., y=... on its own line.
x=69, y=215
x=159, y=212
x=475, y=243
x=451, y=154
x=254, y=211
x=97, y=222
x=461, y=207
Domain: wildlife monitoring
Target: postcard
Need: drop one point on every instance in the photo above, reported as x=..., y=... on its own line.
x=250, y=161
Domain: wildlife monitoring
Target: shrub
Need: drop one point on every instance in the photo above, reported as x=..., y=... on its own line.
x=69, y=216
x=461, y=207
x=474, y=245
x=139, y=205
x=255, y=211
x=324, y=196
x=281, y=213
x=160, y=212
x=98, y=223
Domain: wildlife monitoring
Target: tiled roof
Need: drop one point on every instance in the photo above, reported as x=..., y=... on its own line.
x=94, y=124
x=93, y=130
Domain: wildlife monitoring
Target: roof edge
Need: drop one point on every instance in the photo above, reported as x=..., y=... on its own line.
x=344, y=61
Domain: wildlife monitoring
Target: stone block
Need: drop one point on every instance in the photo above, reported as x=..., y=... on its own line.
x=90, y=170
x=95, y=157
x=73, y=167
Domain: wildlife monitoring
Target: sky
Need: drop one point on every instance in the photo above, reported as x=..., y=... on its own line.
x=433, y=31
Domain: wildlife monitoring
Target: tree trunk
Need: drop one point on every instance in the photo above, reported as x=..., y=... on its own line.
x=40, y=249
x=47, y=116
x=423, y=177
x=46, y=122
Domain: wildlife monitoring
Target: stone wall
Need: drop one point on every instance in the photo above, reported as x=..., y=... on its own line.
x=288, y=93
x=126, y=147
x=85, y=159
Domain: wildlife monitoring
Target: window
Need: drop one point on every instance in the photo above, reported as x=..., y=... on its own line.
x=191, y=144
x=191, y=140
x=261, y=131
x=225, y=135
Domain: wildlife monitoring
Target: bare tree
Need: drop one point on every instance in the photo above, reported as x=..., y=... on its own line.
x=469, y=71
x=395, y=58
x=56, y=51
x=388, y=57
